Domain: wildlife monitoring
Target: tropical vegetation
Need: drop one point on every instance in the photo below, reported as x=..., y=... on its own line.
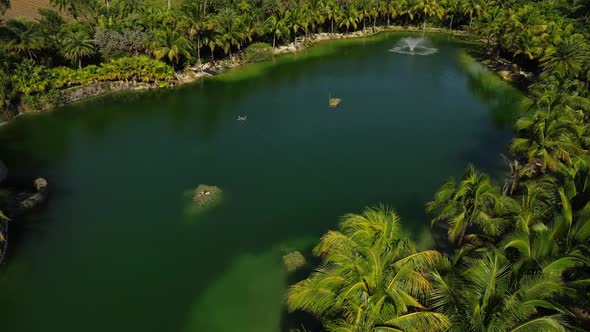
x=514, y=255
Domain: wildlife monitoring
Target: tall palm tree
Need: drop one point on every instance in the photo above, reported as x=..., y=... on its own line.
x=453, y=8
x=348, y=18
x=473, y=201
x=196, y=24
x=171, y=44
x=472, y=8
x=390, y=9
x=71, y=6
x=298, y=19
x=23, y=37
x=371, y=278
x=427, y=9
x=229, y=30
x=276, y=24
x=76, y=44
x=333, y=13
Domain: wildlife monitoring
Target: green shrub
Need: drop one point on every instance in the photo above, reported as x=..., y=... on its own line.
x=137, y=68
x=258, y=52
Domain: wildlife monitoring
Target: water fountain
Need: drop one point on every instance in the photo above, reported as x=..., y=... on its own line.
x=414, y=46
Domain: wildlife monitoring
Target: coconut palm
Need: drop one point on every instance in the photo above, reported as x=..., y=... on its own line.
x=390, y=9
x=333, y=12
x=276, y=24
x=547, y=138
x=372, y=278
x=567, y=58
x=169, y=43
x=23, y=37
x=473, y=201
x=427, y=9
x=489, y=296
x=229, y=28
x=298, y=19
x=453, y=8
x=472, y=8
x=76, y=44
x=348, y=18
x=71, y=6
x=196, y=23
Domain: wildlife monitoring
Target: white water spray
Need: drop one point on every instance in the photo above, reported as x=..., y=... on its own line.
x=413, y=46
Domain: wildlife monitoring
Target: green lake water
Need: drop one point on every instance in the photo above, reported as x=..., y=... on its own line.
x=117, y=248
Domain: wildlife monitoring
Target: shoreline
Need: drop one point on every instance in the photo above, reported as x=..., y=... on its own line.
x=80, y=93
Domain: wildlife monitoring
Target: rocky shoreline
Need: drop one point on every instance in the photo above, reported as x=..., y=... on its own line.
x=16, y=201
x=192, y=74
x=507, y=70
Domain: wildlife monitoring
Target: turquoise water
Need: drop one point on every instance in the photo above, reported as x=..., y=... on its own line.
x=117, y=248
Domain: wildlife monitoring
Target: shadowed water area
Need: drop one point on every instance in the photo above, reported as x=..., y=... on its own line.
x=117, y=248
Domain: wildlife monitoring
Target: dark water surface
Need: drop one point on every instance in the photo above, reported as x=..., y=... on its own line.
x=116, y=248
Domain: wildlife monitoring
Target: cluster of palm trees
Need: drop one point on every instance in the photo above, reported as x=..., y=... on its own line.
x=517, y=255
x=183, y=32
x=513, y=262
x=180, y=31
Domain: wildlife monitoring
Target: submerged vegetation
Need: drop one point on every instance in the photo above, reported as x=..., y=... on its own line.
x=515, y=255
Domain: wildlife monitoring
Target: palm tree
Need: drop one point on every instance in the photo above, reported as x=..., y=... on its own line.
x=427, y=9
x=229, y=30
x=23, y=37
x=472, y=8
x=391, y=9
x=472, y=201
x=196, y=23
x=452, y=8
x=488, y=296
x=276, y=24
x=298, y=19
x=371, y=278
x=333, y=13
x=524, y=27
x=170, y=43
x=548, y=139
x=76, y=44
x=69, y=5
x=567, y=58
x=349, y=18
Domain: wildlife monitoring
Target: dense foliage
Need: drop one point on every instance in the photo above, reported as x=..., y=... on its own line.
x=184, y=32
x=517, y=255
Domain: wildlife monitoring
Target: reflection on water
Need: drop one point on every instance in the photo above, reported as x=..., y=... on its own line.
x=503, y=100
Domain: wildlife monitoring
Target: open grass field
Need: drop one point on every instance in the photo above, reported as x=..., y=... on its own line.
x=26, y=8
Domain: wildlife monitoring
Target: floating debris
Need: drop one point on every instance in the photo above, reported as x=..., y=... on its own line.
x=242, y=118
x=205, y=196
x=294, y=261
x=334, y=102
